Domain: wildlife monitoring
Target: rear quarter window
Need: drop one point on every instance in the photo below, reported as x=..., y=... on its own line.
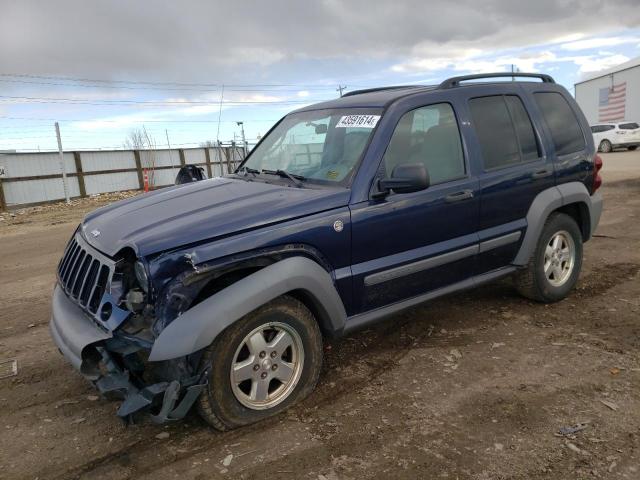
x=562, y=122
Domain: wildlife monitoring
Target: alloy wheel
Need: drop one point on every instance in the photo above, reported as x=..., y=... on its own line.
x=267, y=366
x=559, y=258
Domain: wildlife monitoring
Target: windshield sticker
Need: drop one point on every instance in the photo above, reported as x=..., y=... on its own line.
x=358, y=121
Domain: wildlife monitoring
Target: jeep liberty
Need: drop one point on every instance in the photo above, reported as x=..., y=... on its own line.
x=219, y=293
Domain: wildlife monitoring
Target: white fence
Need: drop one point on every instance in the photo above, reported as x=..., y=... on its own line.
x=33, y=178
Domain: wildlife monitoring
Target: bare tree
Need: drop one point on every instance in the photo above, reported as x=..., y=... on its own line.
x=139, y=139
x=208, y=144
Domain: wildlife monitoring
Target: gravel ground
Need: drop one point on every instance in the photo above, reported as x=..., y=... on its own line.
x=476, y=385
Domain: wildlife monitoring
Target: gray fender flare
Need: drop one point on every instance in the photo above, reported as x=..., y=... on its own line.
x=546, y=202
x=199, y=326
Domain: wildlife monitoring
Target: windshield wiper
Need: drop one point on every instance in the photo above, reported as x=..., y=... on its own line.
x=296, y=179
x=250, y=170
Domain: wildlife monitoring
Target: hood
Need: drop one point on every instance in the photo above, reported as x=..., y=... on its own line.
x=184, y=214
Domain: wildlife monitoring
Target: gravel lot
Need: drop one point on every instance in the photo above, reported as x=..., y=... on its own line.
x=472, y=386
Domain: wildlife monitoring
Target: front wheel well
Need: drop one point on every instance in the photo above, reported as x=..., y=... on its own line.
x=241, y=271
x=579, y=211
x=316, y=308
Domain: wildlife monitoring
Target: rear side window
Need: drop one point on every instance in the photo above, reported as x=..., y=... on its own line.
x=629, y=126
x=562, y=122
x=504, y=130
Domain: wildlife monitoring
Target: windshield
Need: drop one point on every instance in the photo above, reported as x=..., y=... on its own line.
x=321, y=146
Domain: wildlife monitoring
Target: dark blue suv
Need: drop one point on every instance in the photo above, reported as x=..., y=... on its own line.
x=219, y=293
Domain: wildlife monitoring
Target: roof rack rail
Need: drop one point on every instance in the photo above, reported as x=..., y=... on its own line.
x=379, y=89
x=455, y=81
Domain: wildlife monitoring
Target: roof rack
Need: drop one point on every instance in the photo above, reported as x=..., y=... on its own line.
x=379, y=89
x=455, y=81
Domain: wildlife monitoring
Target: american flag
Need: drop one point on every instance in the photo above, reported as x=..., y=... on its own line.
x=611, y=103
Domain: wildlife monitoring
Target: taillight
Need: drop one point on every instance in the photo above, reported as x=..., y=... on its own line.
x=597, y=179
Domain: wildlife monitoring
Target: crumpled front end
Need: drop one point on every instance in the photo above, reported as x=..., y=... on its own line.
x=108, y=343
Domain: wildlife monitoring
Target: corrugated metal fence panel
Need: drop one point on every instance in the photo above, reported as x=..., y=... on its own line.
x=159, y=158
x=35, y=164
x=164, y=177
x=111, y=182
x=195, y=156
x=99, y=161
x=218, y=161
x=47, y=163
x=35, y=191
x=216, y=170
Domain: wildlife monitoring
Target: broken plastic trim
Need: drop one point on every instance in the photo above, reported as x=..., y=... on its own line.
x=136, y=399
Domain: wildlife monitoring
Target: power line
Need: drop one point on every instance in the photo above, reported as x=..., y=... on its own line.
x=155, y=103
x=124, y=121
x=183, y=84
x=184, y=89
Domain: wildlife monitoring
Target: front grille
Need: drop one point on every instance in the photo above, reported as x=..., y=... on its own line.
x=84, y=274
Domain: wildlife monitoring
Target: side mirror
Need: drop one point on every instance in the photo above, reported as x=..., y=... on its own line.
x=406, y=178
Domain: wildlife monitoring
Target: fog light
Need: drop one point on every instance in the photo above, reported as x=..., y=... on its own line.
x=105, y=311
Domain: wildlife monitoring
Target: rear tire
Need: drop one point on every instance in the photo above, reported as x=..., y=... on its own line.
x=632, y=147
x=555, y=265
x=261, y=365
x=605, y=146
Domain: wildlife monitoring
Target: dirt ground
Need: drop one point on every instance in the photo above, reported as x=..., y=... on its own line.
x=473, y=386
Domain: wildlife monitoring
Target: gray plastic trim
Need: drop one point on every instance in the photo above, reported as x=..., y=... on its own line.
x=546, y=202
x=199, y=326
x=499, y=241
x=71, y=329
x=420, y=265
x=362, y=320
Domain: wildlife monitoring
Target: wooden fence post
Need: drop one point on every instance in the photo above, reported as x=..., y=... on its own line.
x=3, y=203
x=227, y=153
x=207, y=159
x=80, y=174
x=136, y=155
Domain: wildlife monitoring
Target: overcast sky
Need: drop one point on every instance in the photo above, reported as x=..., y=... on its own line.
x=272, y=56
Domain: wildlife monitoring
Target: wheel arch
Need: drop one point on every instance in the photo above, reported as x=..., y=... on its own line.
x=298, y=276
x=571, y=198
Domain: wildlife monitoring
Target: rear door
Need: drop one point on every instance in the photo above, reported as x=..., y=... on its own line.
x=513, y=170
x=630, y=132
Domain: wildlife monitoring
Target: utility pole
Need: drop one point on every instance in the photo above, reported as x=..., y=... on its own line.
x=514, y=69
x=173, y=173
x=62, y=166
x=220, y=114
x=341, y=88
x=244, y=140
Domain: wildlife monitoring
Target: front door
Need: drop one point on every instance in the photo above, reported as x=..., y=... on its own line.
x=404, y=245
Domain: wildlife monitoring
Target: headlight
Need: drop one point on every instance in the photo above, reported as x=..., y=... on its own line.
x=141, y=276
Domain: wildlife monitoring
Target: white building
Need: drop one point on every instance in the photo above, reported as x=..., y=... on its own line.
x=611, y=95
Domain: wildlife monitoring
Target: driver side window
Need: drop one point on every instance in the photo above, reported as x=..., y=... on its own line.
x=428, y=135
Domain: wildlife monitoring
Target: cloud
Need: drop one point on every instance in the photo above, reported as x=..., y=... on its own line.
x=598, y=42
x=590, y=64
x=254, y=41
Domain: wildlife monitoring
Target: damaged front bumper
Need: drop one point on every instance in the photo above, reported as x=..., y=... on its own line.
x=116, y=367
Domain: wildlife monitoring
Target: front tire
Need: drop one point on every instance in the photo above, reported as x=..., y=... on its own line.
x=632, y=147
x=261, y=365
x=555, y=265
x=605, y=146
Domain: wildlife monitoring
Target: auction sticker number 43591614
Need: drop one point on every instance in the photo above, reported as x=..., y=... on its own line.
x=358, y=121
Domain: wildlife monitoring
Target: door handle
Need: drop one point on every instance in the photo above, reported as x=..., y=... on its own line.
x=458, y=196
x=542, y=173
